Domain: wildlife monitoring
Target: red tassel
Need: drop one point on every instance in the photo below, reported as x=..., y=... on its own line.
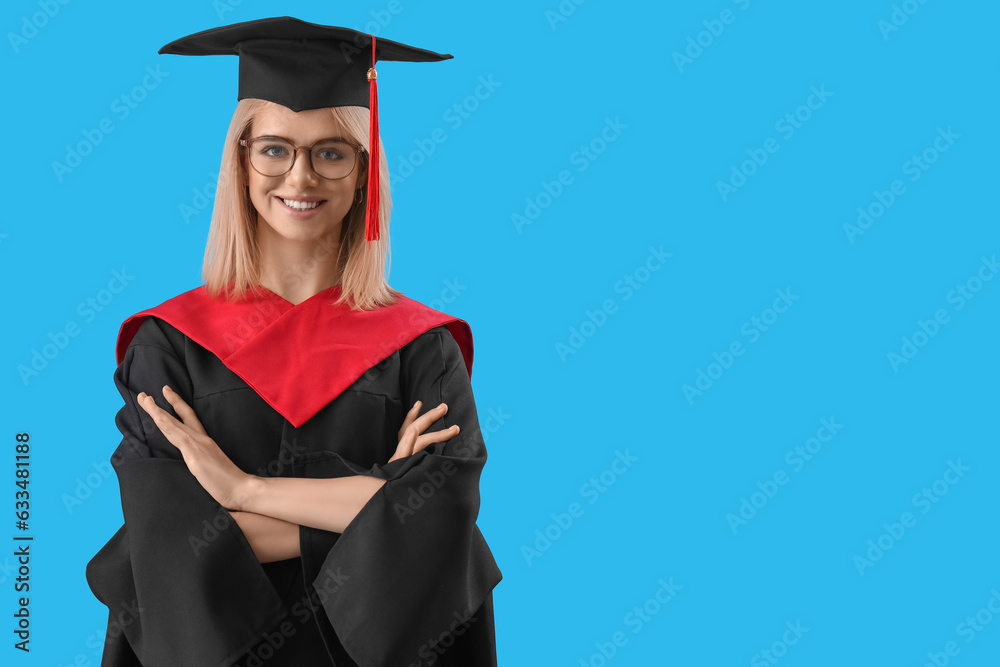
x=371, y=215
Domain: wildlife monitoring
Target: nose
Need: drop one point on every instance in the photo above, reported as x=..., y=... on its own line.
x=301, y=174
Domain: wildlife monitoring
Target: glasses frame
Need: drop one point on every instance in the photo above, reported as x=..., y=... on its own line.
x=359, y=154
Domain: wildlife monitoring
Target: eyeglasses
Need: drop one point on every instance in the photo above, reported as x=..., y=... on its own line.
x=274, y=156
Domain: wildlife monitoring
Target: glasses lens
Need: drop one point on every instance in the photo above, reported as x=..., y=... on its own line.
x=330, y=159
x=271, y=157
x=333, y=159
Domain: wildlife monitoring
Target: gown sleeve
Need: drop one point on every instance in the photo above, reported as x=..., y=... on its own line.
x=179, y=578
x=413, y=575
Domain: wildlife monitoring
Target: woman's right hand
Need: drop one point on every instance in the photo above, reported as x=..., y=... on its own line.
x=410, y=439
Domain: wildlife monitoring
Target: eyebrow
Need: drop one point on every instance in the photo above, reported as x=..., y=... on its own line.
x=275, y=136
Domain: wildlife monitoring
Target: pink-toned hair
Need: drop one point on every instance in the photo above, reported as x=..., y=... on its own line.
x=232, y=254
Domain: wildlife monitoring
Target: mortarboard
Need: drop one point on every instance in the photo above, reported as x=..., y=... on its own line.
x=303, y=65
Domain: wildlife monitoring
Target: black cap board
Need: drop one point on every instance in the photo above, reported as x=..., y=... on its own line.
x=298, y=64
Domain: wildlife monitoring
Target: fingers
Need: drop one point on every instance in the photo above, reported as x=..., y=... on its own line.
x=180, y=406
x=437, y=436
x=429, y=417
x=421, y=424
x=411, y=439
x=405, y=447
x=407, y=439
x=164, y=421
x=423, y=421
x=183, y=410
x=176, y=432
x=147, y=403
x=410, y=416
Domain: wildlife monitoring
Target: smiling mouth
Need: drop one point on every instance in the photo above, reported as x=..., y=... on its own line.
x=302, y=204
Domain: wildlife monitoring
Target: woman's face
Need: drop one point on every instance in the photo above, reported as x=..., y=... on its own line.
x=267, y=193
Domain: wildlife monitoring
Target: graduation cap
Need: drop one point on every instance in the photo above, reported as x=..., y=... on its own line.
x=303, y=65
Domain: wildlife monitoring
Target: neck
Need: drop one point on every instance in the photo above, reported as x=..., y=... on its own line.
x=297, y=270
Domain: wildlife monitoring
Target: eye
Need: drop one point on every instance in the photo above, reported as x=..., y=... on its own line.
x=272, y=150
x=330, y=153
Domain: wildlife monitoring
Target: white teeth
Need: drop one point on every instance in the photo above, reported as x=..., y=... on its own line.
x=301, y=205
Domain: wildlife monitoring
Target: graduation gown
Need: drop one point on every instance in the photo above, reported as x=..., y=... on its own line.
x=307, y=390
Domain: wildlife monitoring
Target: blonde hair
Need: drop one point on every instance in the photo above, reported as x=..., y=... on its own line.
x=232, y=254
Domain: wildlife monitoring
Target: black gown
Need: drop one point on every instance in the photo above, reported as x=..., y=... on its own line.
x=408, y=583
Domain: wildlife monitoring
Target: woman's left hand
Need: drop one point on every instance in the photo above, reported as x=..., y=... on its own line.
x=222, y=478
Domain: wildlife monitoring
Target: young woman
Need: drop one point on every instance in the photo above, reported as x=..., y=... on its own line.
x=301, y=451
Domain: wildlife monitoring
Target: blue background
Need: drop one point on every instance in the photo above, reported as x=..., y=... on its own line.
x=642, y=109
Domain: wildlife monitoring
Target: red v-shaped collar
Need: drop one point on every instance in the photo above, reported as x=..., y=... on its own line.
x=297, y=357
